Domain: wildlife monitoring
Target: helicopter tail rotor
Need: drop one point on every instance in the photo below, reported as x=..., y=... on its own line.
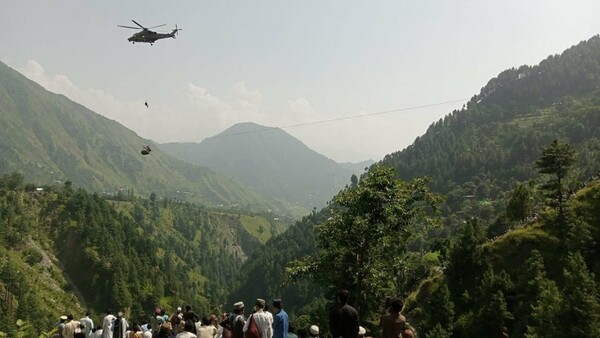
x=175, y=31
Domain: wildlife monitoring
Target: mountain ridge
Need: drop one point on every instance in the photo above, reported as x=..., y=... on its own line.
x=271, y=161
x=474, y=156
x=50, y=138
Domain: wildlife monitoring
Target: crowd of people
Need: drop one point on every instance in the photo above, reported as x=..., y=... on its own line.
x=263, y=322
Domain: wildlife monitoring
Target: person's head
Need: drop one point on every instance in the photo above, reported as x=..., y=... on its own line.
x=361, y=331
x=189, y=326
x=343, y=296
x=213, y=320
x=63, y=319
x=120, y=314
x=179, y=309
x=277, y=305
x=188, y=308
x=396, y=305
x=70, y=317
x=407, y=333
x=205, y=320
x=108, y=311
x=259, y=304
x=314, y=331
x=87, y=313
x=238, y=308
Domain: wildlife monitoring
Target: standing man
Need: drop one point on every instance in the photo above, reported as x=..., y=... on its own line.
x=392, y=324
x=70, y=327
x=120, y=326
x=89, y=324
x=190, y=315
x=61, y=326
x=107, y=324
x=280, y=320
x=343, y=318
x=237, y=321
x=263, y=321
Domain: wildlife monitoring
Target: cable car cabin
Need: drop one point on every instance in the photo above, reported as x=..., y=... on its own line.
x=146, y=150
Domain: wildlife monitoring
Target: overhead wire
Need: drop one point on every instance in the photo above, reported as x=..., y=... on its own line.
x=302, y=124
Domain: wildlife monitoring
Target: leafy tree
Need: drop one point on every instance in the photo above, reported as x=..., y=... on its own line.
x=439, y=313
x=520, y=204
x=580, y=315
x=360, y=245
x=466, y=263
x=546, y=300
x=493, y=317
x=556, y=160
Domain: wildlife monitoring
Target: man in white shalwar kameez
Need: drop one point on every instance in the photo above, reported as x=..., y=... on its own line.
x=107, y=325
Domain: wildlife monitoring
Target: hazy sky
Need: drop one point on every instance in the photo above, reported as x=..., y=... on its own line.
x=283, y=63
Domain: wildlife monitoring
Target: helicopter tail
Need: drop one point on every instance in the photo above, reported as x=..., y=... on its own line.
x=174, y=32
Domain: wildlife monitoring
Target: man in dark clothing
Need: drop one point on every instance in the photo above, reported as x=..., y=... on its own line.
x=237, y=321
x=343, y=318
x=190, y=315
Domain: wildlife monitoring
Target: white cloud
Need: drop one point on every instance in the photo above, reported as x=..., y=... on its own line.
x=95, y=99
x=251, y=96
x=193, y=112
x=202, y=100
x=301, y=105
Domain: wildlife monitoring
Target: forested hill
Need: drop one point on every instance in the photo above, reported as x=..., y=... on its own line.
x=50, y=138
x=476, y=155
x=271, y=161
x=484, y=148
x=64, y=250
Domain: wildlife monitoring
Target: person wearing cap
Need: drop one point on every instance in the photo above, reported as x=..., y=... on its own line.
x=343, y=318
x=177, y=321
x=237, y=321
x=60, y=326
x=314, y=331
x=263, y=321
x=120, y=326
x=280, y=320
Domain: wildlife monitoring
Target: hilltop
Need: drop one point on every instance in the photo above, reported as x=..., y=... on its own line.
x=51, y=139
x=476, y=156
x=271, y=161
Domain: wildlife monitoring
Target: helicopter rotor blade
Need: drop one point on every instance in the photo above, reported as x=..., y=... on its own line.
x=128, y=27
x=158, y=26
x=138, y=24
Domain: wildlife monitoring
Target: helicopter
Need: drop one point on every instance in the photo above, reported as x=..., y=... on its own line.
x=148, y=36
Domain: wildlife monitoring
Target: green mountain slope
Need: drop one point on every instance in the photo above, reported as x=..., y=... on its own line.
x=494, y=140
x=269, y=160
x=50, y=138
x=477, y=155
x=65, y=250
